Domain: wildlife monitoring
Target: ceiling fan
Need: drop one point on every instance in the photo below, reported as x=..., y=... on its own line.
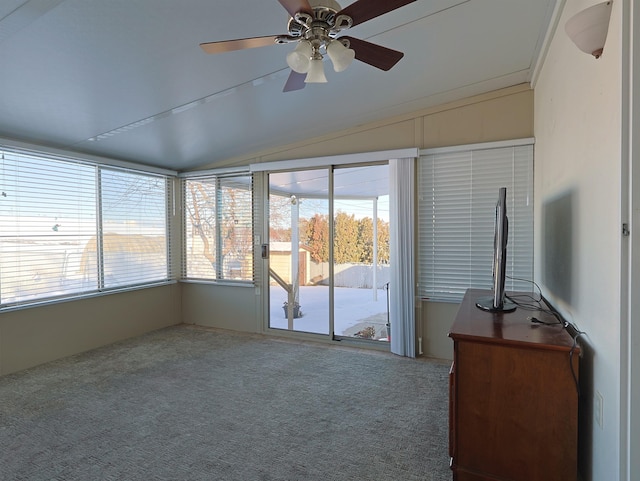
x=315, y=26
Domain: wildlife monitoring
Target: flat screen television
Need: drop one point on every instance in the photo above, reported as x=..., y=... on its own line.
x=498, y=302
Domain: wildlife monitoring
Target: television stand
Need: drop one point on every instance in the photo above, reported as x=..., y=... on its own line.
x=513, y=400
x=486, y=304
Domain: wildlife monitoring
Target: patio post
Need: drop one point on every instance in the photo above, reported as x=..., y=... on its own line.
x=375, y=250
x=295, y=248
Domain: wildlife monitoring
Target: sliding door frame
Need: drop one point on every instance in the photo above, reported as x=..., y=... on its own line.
x=331, y=163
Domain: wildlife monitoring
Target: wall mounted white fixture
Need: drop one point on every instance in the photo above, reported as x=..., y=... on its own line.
x=588, y=28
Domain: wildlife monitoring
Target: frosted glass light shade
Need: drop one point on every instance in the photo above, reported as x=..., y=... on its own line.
x=340, y=55
x=300, y=59
x=588, y=29
x=316, y=72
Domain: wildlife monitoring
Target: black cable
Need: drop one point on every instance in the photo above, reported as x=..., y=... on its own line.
x=537, y=307
x=536, y=303
x=529, y=281
x=550, y=310
x=538, y=321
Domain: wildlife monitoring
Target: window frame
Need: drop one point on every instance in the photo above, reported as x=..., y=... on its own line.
x=55, y=159
x=222, y=272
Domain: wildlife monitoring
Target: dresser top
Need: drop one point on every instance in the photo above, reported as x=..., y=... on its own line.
x=474, y=324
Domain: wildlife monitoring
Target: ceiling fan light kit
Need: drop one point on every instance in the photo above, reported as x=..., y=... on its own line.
x=316, y=72
x=340, y=56
x=315, y=25
x=306, y=55
x=300, y=59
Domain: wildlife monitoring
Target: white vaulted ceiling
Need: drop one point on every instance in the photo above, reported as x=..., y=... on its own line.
x=127, y=79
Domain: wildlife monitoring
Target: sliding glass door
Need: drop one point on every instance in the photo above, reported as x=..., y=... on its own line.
x=361, y=252
x=329, y=251
x=298, y=250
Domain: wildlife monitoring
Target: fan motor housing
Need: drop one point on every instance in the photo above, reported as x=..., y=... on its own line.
x=324, y=12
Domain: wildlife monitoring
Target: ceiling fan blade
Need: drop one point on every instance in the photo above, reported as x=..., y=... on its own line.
x=294, y=82
x=295, y=6
x=239, y=44
x=376, y=55
x=364, y=10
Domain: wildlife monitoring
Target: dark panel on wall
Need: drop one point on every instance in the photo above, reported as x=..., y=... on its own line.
x=558, y=245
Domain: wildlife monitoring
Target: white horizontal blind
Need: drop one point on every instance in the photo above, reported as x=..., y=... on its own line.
x=47, y=217
x=457, y=193
x=134, y=228
x=218, y=229
x=50, y=215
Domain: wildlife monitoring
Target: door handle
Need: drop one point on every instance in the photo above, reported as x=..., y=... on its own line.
x=265, y=251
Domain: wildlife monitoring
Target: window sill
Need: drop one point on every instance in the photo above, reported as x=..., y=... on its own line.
x=80, y=297
x=226, y=283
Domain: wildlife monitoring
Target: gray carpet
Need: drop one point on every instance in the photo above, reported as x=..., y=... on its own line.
x=186, y=403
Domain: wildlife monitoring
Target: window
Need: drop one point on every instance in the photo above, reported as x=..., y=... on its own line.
x=134, y=240
x=69, y=227
x=218, y=228
x=458, y=190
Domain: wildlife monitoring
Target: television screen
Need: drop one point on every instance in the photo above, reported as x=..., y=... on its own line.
x=497, y=302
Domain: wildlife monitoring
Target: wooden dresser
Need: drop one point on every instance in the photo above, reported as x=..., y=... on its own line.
x=513, y=401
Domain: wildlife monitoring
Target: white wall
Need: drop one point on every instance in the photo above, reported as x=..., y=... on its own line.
x=578, y=163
